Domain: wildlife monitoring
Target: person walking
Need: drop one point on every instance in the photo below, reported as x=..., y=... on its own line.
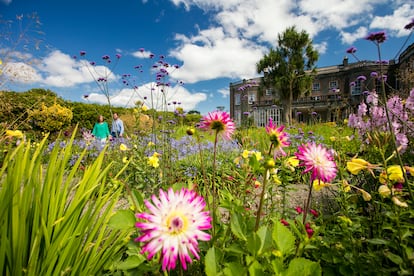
x=117, y=129
x=101, y=131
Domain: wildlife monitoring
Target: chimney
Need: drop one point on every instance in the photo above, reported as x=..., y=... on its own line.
x=345, y=61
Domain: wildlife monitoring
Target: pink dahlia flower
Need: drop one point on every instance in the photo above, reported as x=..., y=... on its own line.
x=173, y=225
x=317, y=160
x=220, y=122
x=278, y=137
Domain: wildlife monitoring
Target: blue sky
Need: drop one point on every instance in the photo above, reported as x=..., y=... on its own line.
x=214, y=42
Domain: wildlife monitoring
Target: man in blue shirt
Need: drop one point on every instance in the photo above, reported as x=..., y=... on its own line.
x=117, y=129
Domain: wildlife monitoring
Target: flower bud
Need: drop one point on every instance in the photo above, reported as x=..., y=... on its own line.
x=190, y=131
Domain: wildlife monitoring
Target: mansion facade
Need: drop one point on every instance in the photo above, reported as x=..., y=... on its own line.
x=336, y=91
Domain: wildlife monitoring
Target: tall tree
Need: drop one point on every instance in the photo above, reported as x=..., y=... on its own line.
x=290, y=68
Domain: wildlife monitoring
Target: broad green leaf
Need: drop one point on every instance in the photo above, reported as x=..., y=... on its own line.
x=234, y=269
x=394, y=258
x=236, y=226
x=130, y=262
x=123, y=220
x=254, y=267
x=265, y=239
x=284, y=239
x=303, y=267
x=253, y=244
x=211, y=262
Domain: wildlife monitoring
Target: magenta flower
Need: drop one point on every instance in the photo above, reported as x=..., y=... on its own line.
x=378, y=37
x=220, y=122
x=317, y=160
x=351, y=50
x=173, y=225
x=278, y=137
x=410, y=25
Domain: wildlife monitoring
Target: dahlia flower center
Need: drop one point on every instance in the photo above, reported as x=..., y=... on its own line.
x=217, y=125
x=177, y=223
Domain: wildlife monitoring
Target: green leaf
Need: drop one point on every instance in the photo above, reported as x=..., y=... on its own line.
x=265, y=239
x=236, y=226
x=234, y=269
x=303, y=267
x=211, y=262
x=122, y=220
x=284, y=239
x=130, y=262
x=253, y=244
x=377, y=241
x=394, y=258
x=254, y=267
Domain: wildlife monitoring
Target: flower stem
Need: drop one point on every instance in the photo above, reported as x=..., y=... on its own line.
x=259, y=209
x=307, y=203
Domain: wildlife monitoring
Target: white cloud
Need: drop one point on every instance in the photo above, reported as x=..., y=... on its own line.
x=212, y=55
x=395, y=21
x=225, y=92
x=349, y=38
x=20, y=72
x=159, y=100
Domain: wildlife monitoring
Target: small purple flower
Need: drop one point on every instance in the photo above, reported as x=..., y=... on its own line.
x=92, y=63
x=246, y=113
x=374, y=74
x=151, y=55
x=105, y=57
x=141, y=50
x=361, y=78
x=352, y=83
x=314, y=113
x=85, y=96
x=118, y=56
x=378, y=37
x=82, y=53
x=410, y=25
x=351, y=50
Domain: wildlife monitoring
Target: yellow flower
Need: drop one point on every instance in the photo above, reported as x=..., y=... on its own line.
x=123, y=147
x=153, y=161
x=348, y=138
x=345, y=219
x=356, y=165
x=410, y=170
x=276, y=179
x=150, y=144
x=245, y=154
x=319, y=184
x=144, y=108
x=384, y=191
x=236, y=160
x=293, y=161
x=345, y=121
x=258, y=155
x=14, y=133
x=365, y=195
x=135, y=110
x=270, y=163
x=399, y=202
x=394, y=173
x=125, y=159
x=332, y=138
x=346, y=186
x=257, y=184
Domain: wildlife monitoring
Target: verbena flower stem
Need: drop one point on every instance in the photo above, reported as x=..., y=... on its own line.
x=394, y=142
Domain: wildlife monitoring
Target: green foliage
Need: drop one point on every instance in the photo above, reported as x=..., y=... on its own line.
x=52, y=118
x=54, y=220
x=285, y=67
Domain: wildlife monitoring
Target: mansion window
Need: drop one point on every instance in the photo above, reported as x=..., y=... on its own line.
x=316, y=86
x=333, y=84
x=356, y=87
x=236, y=99
x=269, y=91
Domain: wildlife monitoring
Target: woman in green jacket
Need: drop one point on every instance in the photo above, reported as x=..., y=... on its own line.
x=101, y=130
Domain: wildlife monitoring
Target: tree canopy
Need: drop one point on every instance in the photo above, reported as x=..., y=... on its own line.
x=290, y=67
